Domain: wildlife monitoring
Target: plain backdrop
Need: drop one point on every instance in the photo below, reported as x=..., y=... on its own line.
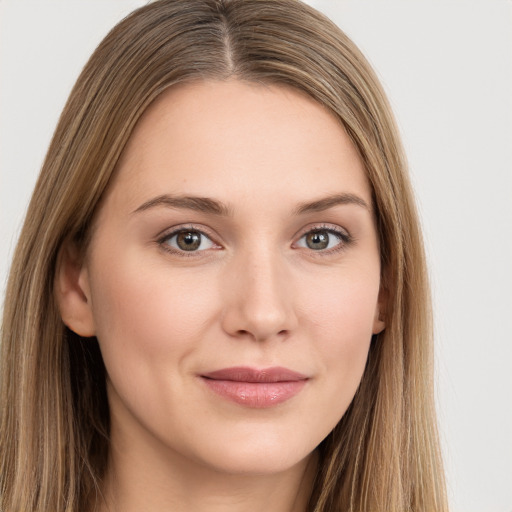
x=446, y=66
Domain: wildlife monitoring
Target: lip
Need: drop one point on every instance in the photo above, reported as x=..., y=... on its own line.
x=256, y=388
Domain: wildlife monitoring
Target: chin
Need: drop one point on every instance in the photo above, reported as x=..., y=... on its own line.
x=263, y=456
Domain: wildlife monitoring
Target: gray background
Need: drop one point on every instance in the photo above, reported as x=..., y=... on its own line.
x=446, y=66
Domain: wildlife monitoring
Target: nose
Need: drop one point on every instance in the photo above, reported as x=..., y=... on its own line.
x=259, y=299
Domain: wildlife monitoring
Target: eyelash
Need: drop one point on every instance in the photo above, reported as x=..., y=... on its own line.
x=162, y=241
x=345, y=240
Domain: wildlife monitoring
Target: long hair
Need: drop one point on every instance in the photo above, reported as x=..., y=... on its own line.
x=384, y=454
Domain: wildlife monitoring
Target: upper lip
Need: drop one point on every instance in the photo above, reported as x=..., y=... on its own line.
x=247, y=374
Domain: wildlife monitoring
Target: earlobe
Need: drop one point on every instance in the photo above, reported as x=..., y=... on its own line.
x=379, y=323
x=73, y=292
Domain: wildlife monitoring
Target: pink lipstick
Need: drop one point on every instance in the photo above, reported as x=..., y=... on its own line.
x=255, y=388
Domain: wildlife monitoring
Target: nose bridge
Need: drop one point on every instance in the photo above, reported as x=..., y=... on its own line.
x=260, y=300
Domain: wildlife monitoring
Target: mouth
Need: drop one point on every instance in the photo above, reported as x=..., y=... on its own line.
x=255, y=388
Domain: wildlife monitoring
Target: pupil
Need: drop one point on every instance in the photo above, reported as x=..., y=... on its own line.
x=317, y=240
x=188, y=241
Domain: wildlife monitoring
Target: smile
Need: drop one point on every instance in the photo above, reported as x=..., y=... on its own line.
x=255, y=388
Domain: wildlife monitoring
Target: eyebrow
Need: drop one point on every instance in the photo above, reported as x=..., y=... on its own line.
x=215, y=207
x=325, y=203
x=198, y=204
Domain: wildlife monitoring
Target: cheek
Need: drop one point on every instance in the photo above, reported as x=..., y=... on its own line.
x=150, y=321
x=341, y=327
x=344, y=308
x=143, y=312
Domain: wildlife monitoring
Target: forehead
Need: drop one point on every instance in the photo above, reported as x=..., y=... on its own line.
x=232, y=139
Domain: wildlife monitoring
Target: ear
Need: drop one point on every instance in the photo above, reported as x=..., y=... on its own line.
x=379, y=323
x=73, y=291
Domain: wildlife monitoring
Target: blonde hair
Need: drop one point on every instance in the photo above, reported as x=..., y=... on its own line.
x=383, y=455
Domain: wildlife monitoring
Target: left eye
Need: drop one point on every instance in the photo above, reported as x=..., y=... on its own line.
x=320, y=239
x=188, y=240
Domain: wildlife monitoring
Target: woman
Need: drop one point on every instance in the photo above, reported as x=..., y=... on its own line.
x=219, y=297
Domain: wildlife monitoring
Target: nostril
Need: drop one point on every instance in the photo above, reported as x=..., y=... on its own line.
x=244, y=333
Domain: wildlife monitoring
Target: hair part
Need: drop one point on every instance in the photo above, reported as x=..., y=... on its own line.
x=383, y=455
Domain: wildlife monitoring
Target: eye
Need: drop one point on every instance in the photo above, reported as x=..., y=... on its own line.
x=323, y=239
x=187, y=240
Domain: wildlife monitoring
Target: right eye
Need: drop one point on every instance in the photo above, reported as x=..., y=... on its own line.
x=187, y=240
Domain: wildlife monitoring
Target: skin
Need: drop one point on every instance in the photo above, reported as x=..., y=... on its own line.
x=254, y=294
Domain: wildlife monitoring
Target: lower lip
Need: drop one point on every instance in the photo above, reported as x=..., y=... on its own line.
x=256, y=394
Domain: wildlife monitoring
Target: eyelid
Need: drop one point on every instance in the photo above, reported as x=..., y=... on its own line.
x=168, y=233
x=200, y=228
x=346, y=239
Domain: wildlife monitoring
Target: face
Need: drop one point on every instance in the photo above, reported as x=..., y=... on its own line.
x=232, y=279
